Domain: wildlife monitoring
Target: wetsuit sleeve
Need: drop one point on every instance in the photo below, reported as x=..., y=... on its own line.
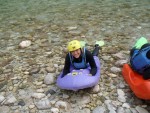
x=66, y=66
x=91, y=61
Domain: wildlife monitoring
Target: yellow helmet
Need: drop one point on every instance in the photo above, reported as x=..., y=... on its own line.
x=74, y=45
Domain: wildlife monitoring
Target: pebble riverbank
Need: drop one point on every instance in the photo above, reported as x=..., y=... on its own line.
x=33, y=49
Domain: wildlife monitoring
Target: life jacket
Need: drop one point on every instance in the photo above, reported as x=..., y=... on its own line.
x=80, y=65
x=139, y=62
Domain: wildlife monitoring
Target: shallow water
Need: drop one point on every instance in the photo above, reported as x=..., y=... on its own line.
x=93, y=19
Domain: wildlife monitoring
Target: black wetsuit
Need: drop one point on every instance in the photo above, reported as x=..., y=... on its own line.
x=89, y=59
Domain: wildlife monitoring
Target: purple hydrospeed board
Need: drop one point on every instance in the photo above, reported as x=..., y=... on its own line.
x=79, y=79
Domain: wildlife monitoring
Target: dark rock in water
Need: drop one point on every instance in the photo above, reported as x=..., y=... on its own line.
x=1, y=71
x=51, y=91
x=5, y=62
x=34, y=70
x=21, y=103
x=2, y=84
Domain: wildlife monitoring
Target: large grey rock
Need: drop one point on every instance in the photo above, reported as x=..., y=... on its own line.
x=99, y=109
x=10, y=99
x=1, y=98
x=120, y=110
x=141, y=110
x=43, y=104
x=4, y=109
x=62, y=104
x=49, y=79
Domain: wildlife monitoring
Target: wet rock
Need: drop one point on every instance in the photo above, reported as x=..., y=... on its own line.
x=60, y=68
x=31, y=106
x=62, y=104
x=2, y=53
x=115, y=70
x=49, y=78
x=75, y=32
x=96, y=89
x=126, y=105
x=119, y=55
x=112, y=75
x=38, y=95
x=1, y=71
x=65, y=96
x=72, y=28
x=106, y=58
x=121, y=85
x=2, y=85
x=128, y=111
x=7, y=71
x=78, y=110
x=26, y=73
x=110, y=107
x=84, y=100
x=5, y=62
x=141, y=110
x=5, y=109
x=10, y=99
x=120, y=62
x=120, y=110
x=50, y=69
x=55, y=40
x=15, y=35
x=51, y=91
x=2, y=98
x=85, y=110
x=53, y=101
x=54, y=110
x=43, y=104
x=34, y=70
x=121, y=95
x=21, y=103
x=99, y=109
x=40, y=90
x=2, y=79
x=120, y=92
x=138, y=102
x=133, y=110
x=42, y=71
x=56, y=65
x=42, y=18
x=25, y=44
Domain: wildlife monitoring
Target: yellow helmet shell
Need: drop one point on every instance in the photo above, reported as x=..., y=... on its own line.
x=74, y=45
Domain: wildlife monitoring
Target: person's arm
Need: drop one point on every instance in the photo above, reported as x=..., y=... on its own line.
x=90, y=59
x=66, y=66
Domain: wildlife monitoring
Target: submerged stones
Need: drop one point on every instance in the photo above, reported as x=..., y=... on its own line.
x=28, y=73
x=49, y=78
x=25, y=44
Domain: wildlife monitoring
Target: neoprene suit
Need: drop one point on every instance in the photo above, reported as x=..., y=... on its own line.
x=89, y=59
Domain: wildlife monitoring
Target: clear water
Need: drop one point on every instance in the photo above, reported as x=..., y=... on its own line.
x=93, y=18
x=114, y=21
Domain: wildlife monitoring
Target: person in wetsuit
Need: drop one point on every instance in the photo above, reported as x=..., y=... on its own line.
x=80, y=58
x=140, y=60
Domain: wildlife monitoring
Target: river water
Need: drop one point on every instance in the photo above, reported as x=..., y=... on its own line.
x=94, y=19
x=50, y=24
